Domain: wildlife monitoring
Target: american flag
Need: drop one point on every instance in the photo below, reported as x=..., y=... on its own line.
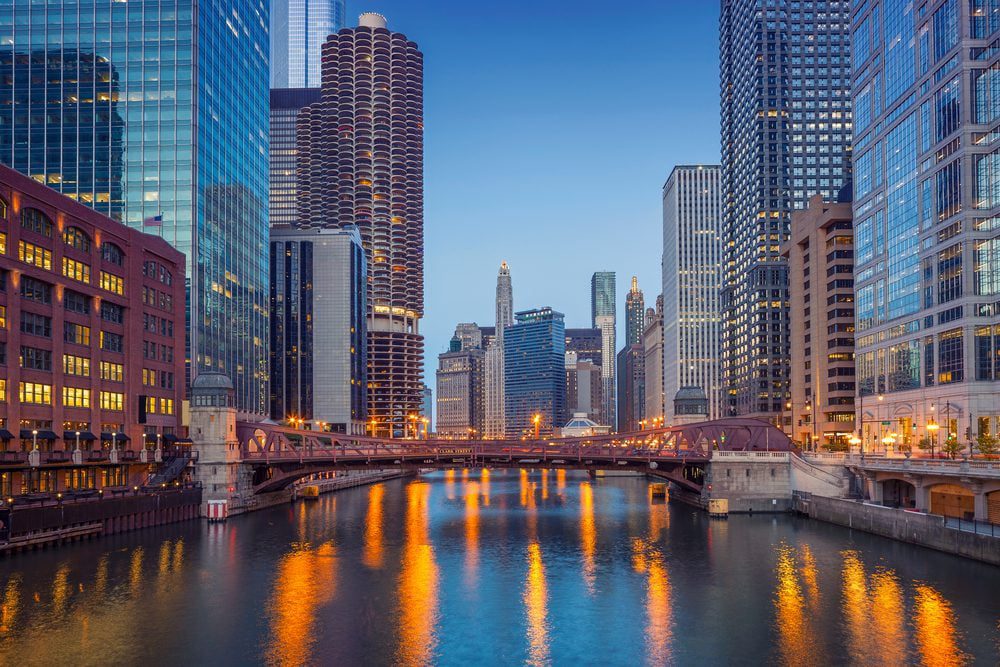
x=154, y=221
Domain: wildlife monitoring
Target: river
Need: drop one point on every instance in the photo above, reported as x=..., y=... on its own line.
x=497, y=567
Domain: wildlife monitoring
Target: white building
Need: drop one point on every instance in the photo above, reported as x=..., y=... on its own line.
x=692, y=278
x=493, y=390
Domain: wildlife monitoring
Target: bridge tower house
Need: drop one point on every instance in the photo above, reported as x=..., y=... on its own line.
x=213, y=430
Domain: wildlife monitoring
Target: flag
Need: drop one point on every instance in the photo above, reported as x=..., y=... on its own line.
x=155, y=221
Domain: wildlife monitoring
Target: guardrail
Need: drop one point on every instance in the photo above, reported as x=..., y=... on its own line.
x=972, y=526
x=751, y=456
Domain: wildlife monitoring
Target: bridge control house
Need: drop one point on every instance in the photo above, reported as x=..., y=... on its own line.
x=91, y=345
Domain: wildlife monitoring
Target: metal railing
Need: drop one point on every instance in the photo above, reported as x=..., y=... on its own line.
x=972, y=526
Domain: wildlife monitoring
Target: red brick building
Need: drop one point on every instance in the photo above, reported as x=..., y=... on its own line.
x=91, y=342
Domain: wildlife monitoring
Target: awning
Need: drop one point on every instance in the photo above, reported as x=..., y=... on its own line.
x=70, y=436
x=119, y=437
x=5, y=434
x=169, y=438
x=26, y=434
x=185, y=441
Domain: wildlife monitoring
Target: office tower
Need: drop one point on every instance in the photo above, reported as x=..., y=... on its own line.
x=583, y=386
x=819, y=411
x=786, y=133
x=460, y=385
x=190, y=83
x=635, y=307
x=692, y=278
x=652, y=345
x=360, y=162
x=93, y=345
x=631, y=390
x=318, y=326
x=926, y=192
x=602, y=313
x=285, y=106
x=428, y=411
x=493, y=390
x=534, y=373
x=298, y=30
x=587, y=345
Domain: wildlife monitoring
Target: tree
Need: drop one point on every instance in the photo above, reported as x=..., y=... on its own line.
x=952, y=447
x=925, y=443
x=987, y=444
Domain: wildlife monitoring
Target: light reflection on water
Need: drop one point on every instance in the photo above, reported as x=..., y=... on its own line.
x=402, y=572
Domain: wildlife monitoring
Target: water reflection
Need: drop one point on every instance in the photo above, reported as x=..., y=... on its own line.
x=934, y=624
x=471, y=532
x=10, y=605
x=795, y=636
x=304, y=582
x=373, y=556
x=484, y=478
x=888, y=615
x=588, y=535
x=418, y=582
x=659, y=633
x=536, y=608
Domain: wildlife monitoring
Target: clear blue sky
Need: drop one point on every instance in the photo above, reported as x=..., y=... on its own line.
x=551, y=127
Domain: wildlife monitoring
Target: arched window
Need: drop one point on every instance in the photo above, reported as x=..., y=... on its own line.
x=112, y=253
x=77, y=238
x=3, y=208
x=36, y=221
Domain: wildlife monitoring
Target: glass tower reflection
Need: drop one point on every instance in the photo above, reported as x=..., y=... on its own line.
x=156, y=112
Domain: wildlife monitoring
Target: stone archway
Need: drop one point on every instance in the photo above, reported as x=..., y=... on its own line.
x=952, y=500
x=898, y=493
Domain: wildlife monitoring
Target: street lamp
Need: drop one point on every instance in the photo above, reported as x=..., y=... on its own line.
x=34, y=439
x=855, y=441
x=933, y=427
x=889, y=440
x=537, y=421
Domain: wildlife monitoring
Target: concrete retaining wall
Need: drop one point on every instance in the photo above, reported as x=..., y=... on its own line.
x=750, y=483
x=923, y=529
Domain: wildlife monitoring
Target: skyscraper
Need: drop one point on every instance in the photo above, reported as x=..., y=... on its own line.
x=318, y=326
x=786, y=133
x=298, y=30
x=602, y=312
x=360, y=162
x=631, y=387
x=180, y=132
x=286, y=103
x=493, y=421
x=652, y=343
x=460, y=385
x=692, y=277
x=534, y=373
x=927, y=232
x=635, y=309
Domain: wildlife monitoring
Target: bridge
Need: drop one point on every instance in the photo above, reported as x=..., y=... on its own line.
x=278, y=456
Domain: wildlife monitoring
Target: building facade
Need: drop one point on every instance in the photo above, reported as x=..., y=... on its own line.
x=318, y=327
x=635, y=314
x=460, y=393
x=583, y=386
x=534, y=373
x=587, y=346
x=91, y=344
x=493, y=389
x=298, y=30
x=820, y=407
x=786, y=135
x=603, y=316
x=631, y=388
x=692, y=280
x=371, y=176
x=926, y=212
x=652, y=347
x=145, y=104
x=285, y=106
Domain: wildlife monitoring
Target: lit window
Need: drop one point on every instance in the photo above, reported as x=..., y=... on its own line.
x=112, y=283
x=75, y=270
x=112, y=372
x=76, y=238
x=35, y=255
x=76, y=397
x=35, y=393
x=74, y=365
x=111, y=400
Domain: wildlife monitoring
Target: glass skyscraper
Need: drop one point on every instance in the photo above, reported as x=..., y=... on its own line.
x=785, y=135
x=602, y=313
x=927, y=219
x=298, y=30
x=156, y=112
x=534, y=351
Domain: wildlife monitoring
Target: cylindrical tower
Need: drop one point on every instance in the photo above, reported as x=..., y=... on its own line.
x=360, y=162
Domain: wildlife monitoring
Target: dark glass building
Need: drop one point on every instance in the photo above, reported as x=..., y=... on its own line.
x=534, y=372
x=160, y=109
x=286, y=103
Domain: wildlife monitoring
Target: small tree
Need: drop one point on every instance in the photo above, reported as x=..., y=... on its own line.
x=835, y=446
x=952, y=447
x=924, y=443
x=987, y=444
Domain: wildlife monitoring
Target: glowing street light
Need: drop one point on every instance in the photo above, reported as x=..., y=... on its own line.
x=537, y=421
x=933, y=427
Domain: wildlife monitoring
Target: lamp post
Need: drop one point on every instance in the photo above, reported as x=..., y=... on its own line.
x=812, y=421
x=34, y=439
x=537, y=421
x=933, y=427
x=77, y=441
x=855, y=441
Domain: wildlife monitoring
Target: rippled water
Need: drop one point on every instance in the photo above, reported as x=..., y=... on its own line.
x=497, y=568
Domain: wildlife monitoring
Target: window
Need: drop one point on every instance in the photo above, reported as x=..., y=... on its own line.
x=112, y=283
x=36, y=325
x=34, y=220
x=35, y=255
x=76, y=238
x=75, y=302
x=111, y=400
x=166, y=406
x=111, y=342
x=112, y=254
x=76, y=333
x=36, y=290
x=74, y=365
x=3, y=243
x=75, y=270
x=112, y=312
x=35, y=393
x=35, y=359
x=76, y=397
x=3, y=317
x=112, y=372
x=148, y=377
x=3, y=390
x=950, y=363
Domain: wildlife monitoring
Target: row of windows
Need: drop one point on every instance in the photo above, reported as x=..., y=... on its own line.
x=36, y=221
